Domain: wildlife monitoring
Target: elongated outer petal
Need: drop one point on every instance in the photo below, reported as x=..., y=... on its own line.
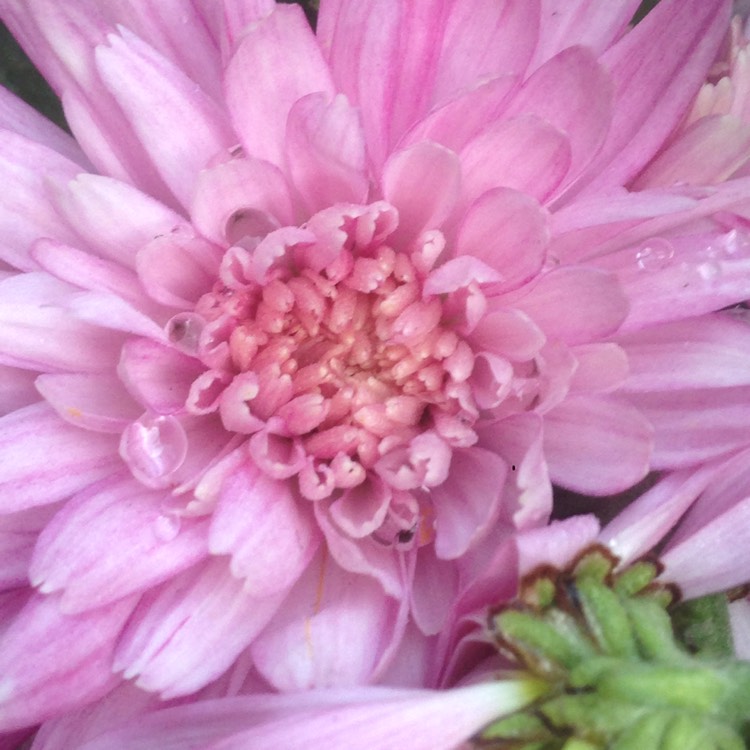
x=654, y=89
x=405, y=177
x=507, y=230
x=51, y=662
x=694, y=425
x=178, y=125
x=24, y=213
x=594, y=445
x=269, y=535
x=19, y=117
x=188, y=631
x=44, y=459
x=108, y=542
x=710, y=351
x=574, y=304
x=333, y=630
x=277, y=62
x=572, y=92
x=325, y=152
x=16, y=389
x=468, y=501
x=523, y=153
x=722, y=546
x=709, y=151
x=587, y=22
x=366, y=718
x=115, y=219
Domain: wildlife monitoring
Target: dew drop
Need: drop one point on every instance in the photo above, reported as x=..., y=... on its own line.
x=154, y=448
x=736, y=243
x=709, y=271
x=184, y=331
x=166, y=526
x=654, y=254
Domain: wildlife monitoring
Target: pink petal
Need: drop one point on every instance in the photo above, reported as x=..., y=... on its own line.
x=360, y=511
x=510, y=333
x=573, y=93
x=691, y=426
x=260, y=524
x=595, y=445
x=44, y=459
x=523, y=153
x=115, y=218
x=434, y=591
x=721, y=544
x=52, y=663
x=405, y=175
x=509, y=231
x=188, y=631
x=300, y=648
x=600, y=305
x=16, y=389
x=111, y=541
x=483, y=40
x=93, y=401
x=586, y=22
x=23, y=216
x=602, y=368
x=556, y=544
x=178, y=125
x=241, y=197
x=158, y=376
x=653, y=90
x=325, y=152
x=709, y=151
x=706, y=352
x=276, y=63
x=468, y=501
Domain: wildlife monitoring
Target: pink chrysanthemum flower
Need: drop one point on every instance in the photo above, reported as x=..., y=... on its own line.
x=316, y=331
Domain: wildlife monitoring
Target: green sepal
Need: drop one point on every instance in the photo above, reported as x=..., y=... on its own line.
x=634, y=579
x=703, y=626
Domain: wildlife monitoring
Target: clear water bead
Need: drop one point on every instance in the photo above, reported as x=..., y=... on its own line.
x=184, y=331
x=154, y=448
x=654, y=254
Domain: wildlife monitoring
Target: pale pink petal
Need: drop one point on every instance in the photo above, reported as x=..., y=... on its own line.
x=523, y=153
x=433, y=592
x=653, y=91
x=483, y=40
x=722, y=544
x=695, y=425
x=51, y=662
x=639, y=527
x=557, y=544
x=15, y=555
x=360, y=510
x=93, y=401
x=710, y=351
x=23, y=216
x=468, y=501
x=596, y=445
x=178, y=125
x=587, y=22
x=509, y=231
x=115, y=218
x=111, y=311
x=303, y=646
x=405, y=175
x=325, y=152
x=164, y=645
x=709, y=151
x=599, y=308
x=238, y=198
x=158, y=376
x=739, y=617
x=19, y=117
x=261, y=525
x=16, y=389
x=45, y=459
x=573, y=93
x=111, y=541
x=276, y=63
x=510, y=333
x=602, y=368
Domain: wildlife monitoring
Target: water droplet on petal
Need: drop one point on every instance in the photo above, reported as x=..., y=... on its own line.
x=709, y=271
x=736, y=243
x=654, y=254
x=184, y=331
x=154, y=448
x=166, y=526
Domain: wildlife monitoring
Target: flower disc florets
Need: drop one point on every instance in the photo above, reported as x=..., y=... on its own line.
x=333, y=359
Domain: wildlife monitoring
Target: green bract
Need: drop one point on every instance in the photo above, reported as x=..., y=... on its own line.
x=620, y=676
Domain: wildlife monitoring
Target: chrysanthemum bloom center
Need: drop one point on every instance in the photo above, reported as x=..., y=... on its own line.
x=334, y=368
